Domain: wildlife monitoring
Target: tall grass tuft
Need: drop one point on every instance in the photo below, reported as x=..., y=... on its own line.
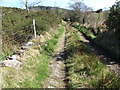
x=85, y=70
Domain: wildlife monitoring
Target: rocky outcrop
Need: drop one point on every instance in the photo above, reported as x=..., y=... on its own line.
x=11, y=61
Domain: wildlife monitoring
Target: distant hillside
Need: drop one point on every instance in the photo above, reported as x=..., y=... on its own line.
x=37, y=8
x=61, y=12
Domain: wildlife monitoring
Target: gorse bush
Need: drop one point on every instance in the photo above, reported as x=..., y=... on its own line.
x=17, y=25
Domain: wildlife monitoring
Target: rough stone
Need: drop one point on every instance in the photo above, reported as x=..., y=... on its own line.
x=50, y=87
x=11, y=63
x=42, y=39
x=20, y=53
x=29, y=43
x=13, y=57
x=48, y=35
x=59, y=58
x=24, y=47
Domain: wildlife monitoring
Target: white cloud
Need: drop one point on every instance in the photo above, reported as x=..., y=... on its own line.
x=98, y=4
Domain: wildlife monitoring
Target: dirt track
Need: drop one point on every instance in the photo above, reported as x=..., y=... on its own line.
x=57, y=67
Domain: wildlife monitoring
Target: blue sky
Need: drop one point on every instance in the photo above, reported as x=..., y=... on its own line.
x=95, y=4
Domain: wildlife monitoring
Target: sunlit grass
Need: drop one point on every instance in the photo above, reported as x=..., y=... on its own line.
x=32, y=73
x=34, y=69
x=84, y=69
x=51, y=43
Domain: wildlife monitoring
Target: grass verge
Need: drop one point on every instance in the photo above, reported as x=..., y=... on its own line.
x=86, y=31
x=34, y=69
x=51, y=43
x=107, y=41
x=31, y=75
x=84, y=69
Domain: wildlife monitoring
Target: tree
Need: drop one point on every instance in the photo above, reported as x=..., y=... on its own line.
x=76, y=10
x=98, y=11
x=28, y=3
x=80, y=11
x=85, y=13
x=113, y=21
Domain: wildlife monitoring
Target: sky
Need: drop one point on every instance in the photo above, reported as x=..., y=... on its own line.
x=95, y=4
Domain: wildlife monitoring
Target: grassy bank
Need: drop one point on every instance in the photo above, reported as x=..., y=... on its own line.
x=110, y=43
x=86, y=31
x=107, y=40
x=84, y=69
x=17, y=26
x=34, y=69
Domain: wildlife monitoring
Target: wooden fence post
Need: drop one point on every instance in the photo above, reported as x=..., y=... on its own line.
x=34, y=28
